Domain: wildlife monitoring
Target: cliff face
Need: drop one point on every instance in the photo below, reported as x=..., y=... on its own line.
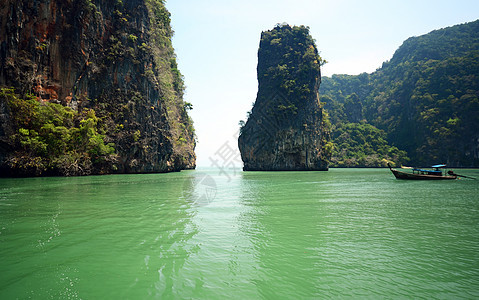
x=286, y=129
x=111, y=58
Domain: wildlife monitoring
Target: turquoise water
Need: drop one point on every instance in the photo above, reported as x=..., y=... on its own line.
x=345, y=233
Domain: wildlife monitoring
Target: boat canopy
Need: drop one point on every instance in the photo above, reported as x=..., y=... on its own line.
x=428, y=171
x=438, y=166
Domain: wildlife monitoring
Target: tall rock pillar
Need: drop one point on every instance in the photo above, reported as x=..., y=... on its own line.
x=287, y=128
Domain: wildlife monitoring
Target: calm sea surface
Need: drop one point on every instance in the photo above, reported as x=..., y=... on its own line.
x=345, y=233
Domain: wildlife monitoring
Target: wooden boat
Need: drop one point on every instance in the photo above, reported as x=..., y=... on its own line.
x=422, y=174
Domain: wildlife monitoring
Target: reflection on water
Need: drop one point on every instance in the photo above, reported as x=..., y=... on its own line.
x=199, y=188
x=336, y=234
x=284, y=227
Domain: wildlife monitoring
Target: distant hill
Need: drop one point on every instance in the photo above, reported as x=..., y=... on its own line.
x=425, y=99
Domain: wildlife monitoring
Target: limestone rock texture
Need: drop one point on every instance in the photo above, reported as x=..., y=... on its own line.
x=287, y=129
x=110, y=56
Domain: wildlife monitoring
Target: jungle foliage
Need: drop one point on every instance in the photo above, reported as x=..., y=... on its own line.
x=425, y=99
x=53, y=139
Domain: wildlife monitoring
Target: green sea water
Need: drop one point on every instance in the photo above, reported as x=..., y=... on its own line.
x=345, y=233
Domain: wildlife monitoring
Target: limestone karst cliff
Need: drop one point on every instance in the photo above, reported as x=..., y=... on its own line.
x=102, y=80
x=424, y=101
x=286, y=129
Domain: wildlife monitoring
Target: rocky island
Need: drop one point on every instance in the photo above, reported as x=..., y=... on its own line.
x=287, y=128
x=90, y=87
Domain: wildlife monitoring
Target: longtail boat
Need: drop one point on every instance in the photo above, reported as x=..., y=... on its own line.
x=425, y=174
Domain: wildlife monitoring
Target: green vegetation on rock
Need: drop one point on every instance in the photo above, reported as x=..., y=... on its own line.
x=291, y=61
x=53, y=139
x=363, y=145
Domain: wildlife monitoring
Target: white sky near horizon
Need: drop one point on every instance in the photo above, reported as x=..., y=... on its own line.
x=216, y=43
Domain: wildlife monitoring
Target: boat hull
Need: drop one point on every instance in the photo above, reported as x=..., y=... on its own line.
x=410, y=176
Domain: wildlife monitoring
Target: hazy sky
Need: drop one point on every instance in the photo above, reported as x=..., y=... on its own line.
x=216, y=43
